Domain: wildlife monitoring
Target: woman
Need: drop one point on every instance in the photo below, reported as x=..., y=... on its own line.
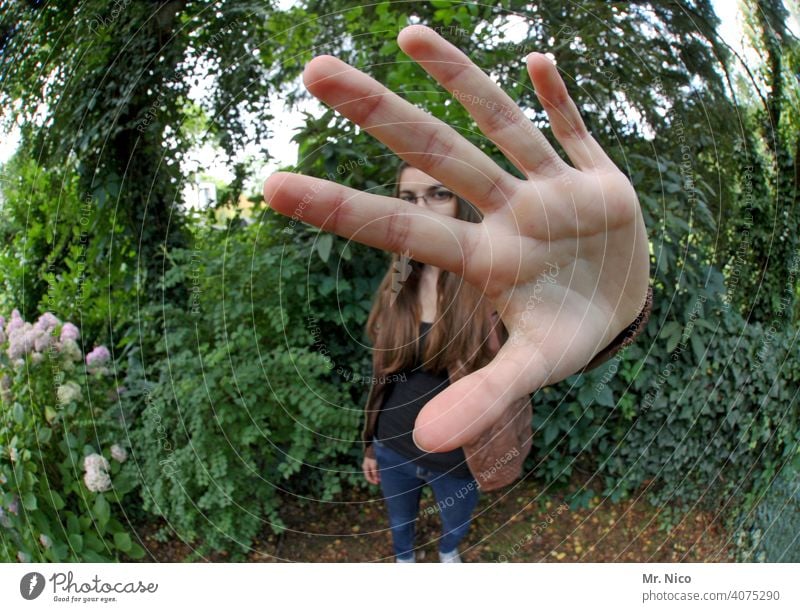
x=423, y=321
x=428, y=328
x=561, y=255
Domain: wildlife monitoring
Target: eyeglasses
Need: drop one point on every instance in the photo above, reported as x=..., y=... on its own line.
x=440, y=195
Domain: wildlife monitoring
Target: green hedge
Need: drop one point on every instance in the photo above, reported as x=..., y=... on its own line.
x=247, y=394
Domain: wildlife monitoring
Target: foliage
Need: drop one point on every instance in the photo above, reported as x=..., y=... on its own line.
x=245, y=399
x=56, y=412
x=53, y=251
x=125, y=118
x=770, y=532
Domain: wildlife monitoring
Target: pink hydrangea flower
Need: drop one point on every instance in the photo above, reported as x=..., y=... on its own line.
x=48, y=322
x=42, y=341
x=21, y=340
x=98, y=356
x=69, y=332
x=15, y=322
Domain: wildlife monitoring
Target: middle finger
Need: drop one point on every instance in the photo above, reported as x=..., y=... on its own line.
x=422, y=140
x=496, y=114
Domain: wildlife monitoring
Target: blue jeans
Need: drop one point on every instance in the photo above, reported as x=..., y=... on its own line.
x=402, y=481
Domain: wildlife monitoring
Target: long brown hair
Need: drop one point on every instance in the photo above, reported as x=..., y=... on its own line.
x=460, y=329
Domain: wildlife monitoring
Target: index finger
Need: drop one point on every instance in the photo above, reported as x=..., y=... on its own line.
x=375, y=220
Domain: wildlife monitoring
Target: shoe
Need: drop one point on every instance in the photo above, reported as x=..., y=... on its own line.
x=451, y=557
x=411, y=559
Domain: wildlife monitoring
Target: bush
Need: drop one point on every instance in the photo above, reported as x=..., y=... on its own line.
x=62, y=472
x=244, y=397
x=770, y=534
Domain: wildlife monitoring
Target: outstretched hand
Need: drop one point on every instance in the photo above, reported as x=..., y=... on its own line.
x=562, y=255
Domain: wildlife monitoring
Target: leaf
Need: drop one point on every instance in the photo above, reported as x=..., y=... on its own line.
x=102, y=510
x=50, y=414
x=122, y=541
x=56, y=500
x=673, y=342
x=697, y=348
x=29, y=501
x=586, y=395
x=324, y=244
x=550, y=433
x=76, y=541
x=606, y=397
x=136, y=551
x=94, y=543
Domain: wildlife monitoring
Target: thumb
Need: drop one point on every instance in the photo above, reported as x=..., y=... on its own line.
x=472, y=404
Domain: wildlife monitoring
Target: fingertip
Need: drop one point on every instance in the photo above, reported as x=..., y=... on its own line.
x=540, y=63
x=319, y=69
x=271, y=186
x=415, y=29
x=416, y=441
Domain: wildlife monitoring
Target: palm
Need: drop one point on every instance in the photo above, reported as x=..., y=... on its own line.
x=563, y=255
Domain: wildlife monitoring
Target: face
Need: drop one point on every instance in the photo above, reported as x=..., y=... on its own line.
x=438, y=198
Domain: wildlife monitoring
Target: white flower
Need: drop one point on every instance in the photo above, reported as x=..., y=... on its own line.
x=97, y=481
x=96, y=477
x=23, y=557
x=37, y=357
x=95, y=462
x=118, y=453
x=71, y=350
x=45, y=541
x=68, y=392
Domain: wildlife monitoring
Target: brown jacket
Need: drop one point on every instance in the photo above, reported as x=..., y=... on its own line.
x=495, y=457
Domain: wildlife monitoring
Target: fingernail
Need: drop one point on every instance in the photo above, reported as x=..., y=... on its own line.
x=414, y=438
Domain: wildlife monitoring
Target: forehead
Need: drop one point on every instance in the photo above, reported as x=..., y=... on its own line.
x=412, y=179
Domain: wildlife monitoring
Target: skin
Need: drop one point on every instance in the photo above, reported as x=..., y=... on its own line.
x=562, y=254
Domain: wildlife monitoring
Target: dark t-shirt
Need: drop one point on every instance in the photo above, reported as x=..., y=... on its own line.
x=403, y=400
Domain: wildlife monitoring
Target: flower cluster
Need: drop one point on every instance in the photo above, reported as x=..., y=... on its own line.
x=35, y=338
x=96, y=476
x=68, y=392
x=96, y=360
x=118, y=453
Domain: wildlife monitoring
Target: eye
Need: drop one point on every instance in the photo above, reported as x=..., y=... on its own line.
x=442, y=195
x=408, y=198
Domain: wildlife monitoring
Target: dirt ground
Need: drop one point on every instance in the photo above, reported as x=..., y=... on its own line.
x=522, y=523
